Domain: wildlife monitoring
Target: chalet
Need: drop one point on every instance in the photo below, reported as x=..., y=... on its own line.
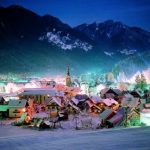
x=130, y=101
x=99, y=106
x=106, y=114
x=17, y=107
x=136, y=94
x=111, y=103
x=75, y=101
x=72, y=108
x=96, y=99
x=94, y=107
x=55, y=103
x=38, y=94
x=117, y=118
x=81, y=100
x=81, y=96
x=125, y=117
x=110, y=93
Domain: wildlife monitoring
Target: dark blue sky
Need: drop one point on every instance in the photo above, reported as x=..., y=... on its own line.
x=75, y=12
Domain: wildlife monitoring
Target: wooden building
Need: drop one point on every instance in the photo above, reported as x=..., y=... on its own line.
x=38, y=94
x=110, y=93
x=16, y=108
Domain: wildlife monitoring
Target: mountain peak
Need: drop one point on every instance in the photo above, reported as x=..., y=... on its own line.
x=14, y=6
x=112, y=34
x=17, y=7
x=17, y=10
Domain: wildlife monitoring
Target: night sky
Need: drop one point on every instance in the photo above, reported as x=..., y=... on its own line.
x=75, y=12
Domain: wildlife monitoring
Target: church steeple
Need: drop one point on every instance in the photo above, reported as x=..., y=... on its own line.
x=68, y=71
x=68, y=78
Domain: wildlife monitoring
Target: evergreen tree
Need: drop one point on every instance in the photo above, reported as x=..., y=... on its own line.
x=141, y=82
x=138, y=81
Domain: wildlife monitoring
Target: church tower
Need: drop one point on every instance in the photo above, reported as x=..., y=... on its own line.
x=68, y=78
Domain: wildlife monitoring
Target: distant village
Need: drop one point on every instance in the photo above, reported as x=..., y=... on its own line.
x=91, y=101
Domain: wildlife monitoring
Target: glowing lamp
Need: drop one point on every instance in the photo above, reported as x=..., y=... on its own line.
x=23, y=110
x=29, y=118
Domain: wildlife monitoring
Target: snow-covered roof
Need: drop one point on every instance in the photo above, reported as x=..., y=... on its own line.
x=95, y=99
x=106, y=113
x=60, y=93
x=35, y=89
x=145, y=111
x=90, y=103
x=40, y=91
x=57, y=101
x=76, y=101
x=81, y=96
x=103, y=91
x=147, y=105
x=115, y=119
x=75, y=107
x=138, y=92
x=109, y=101
x=117, y=91
x=17, y=103
x=130, y=101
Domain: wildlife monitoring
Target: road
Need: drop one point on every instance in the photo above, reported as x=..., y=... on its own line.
x=16, y=138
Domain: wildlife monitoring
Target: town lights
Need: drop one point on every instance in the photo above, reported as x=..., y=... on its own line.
x=27, y=119
x=23, y=110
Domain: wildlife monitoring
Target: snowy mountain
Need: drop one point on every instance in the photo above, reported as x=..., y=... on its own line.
x=33, y=43
x=117, y=37
x=43, y=44
x=65, y=42
x=22, y=23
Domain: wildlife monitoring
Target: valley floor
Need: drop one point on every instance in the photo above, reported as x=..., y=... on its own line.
x=18, y=138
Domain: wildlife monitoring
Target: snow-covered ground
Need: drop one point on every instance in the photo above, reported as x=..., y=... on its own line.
x=18, y=138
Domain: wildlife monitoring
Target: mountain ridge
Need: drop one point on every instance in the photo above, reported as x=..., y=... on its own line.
x=31, y=43
x=111, y=32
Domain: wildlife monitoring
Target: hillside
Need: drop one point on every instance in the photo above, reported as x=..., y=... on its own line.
x=45, y=45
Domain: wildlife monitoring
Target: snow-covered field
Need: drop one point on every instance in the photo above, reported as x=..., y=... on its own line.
x=18, y=138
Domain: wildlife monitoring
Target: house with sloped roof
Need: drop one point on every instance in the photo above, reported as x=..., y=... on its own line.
x=38, y=94
x=110, y=93
x=136, y=94
x=106, y=114
x=16, y=108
